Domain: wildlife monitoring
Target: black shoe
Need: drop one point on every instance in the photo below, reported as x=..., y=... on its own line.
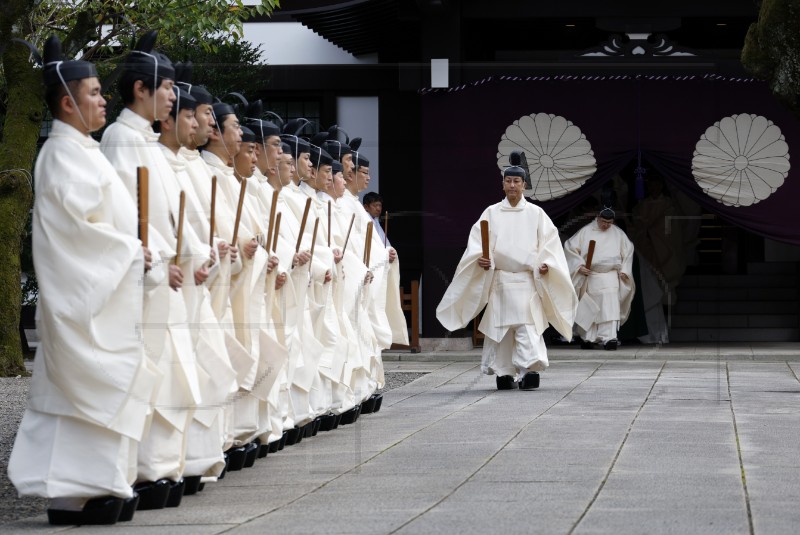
x=317, y=424
x=275, y=446
x=586, y=345
x=191, y=485
x=152, y=495
x=505, y=382
x=350, y=416
x=530, y=381
x=378, y=402
x=327, y=422
x=292, y=436
x=97, y=511
x=611, y=345
x=176, y=489
x=282, y=441
x=263, y=450
x=236, y=458
x=308, y=430
x=338, y=421
x=368, y=405
x=250, y=454
x=128, y=508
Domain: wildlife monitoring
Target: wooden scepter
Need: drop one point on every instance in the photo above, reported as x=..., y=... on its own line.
x=181, y=212
x=485, y=238
x=239, y=212
x=352, y=218
x=385, y=228
x=271, y=223
x=213, y=210
x=277, y=233
x=303, y=225
x=588, y=264
x=329, y=223
x=368, y=244
x=142, y=183
x=313, y=242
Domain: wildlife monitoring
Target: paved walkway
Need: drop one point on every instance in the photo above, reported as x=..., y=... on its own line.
x=604, y=446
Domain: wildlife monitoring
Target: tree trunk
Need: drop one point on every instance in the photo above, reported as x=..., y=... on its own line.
x=17, y=153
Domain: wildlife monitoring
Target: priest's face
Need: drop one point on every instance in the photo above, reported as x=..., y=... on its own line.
x=273, y=147
x=165, y=98
x=304, y=165
x=245, y=162
x=286, y=169
x=232, y=134
x=362, y=178
x=604, y=224
x=187, y=127
x=347, y=163
x=205, y=122
x=91, y=105
x=513, y=186
x=324, y=177
x=337, y=186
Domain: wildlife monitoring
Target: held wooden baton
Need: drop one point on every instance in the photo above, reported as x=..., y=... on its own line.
x=368, y=244
x=271, y=223
x=352, y=218
x=329, y=223
x=213, y=209
x=239, y=212
x=303, y=225
x=385, y=228
x=313, y=242
x=142, y=183
x=485, y=238
x=181, y=211
x=277, y=233
x=590, y=254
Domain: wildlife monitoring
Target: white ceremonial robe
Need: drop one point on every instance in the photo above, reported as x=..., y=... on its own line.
x=605, y=300
x=90, y=394
x=205, y=438
x=519, y=300
x=219, y=280
x=128, y=143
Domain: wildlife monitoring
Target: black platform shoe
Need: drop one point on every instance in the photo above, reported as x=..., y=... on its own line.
x=275, y=446
x=611, y=345
x=250, y=454
x=308, y=430
x=505, y=382
x=263, y=450
x=338, y=421
x=586, y=345
x=236, y=458
x=283, y=440
x=317, y=425
x=327, y=422
x=191, y=485
x=378, y=402
x=292, y=436
x=530, y=381
x=368, y=405
x=97, y=511
x=176, y=489
x=152, y=494
x=350, y=416
x=128, y=508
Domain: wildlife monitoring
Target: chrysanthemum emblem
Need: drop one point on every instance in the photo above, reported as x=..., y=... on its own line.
x=559, y=157
x=741, y=160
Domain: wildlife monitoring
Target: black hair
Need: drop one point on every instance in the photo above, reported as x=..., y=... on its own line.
x=54, y=94
x=127, y=81
x=372, y=197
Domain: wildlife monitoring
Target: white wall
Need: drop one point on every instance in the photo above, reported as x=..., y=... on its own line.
x=291, y=43
x=358, y=116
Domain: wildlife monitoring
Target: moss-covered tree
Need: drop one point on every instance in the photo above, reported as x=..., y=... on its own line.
x=96, y=30
x=772, y=50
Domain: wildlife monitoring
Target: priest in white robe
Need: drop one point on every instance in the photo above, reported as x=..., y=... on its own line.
x=606, y=287
x=524, y=285
x=89, y=398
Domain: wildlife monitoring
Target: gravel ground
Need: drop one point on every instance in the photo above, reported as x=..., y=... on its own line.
x=13, y=397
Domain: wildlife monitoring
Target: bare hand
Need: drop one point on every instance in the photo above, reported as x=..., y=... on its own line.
x=543, y=269
x=583, y=270
x=392, y=255
x=328, y=276
x=250, y=248
x=368, y=277
x=148, y=259
x=485, y=263
x=280, y=280
x=337, y=256
x=234, y=253
x=212, y=257
x=272, y=263
x=223, y=249
x=200, y=275
x=175, y=277
x=624, y=277
x=301, y=259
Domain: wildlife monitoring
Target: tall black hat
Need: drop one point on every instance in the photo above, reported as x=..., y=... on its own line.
x=183, y=78
x=320, y=157
x=144, y=60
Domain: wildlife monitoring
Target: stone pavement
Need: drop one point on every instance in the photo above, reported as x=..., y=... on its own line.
x=607, y=444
